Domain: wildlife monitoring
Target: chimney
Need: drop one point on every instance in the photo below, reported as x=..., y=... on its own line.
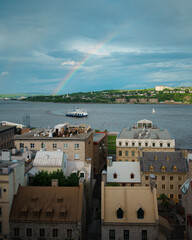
x=152, y=181
x=54, y=182
x=109, y=161
x=104, y=176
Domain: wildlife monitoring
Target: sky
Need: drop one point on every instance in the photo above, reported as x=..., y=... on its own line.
x=66, y=46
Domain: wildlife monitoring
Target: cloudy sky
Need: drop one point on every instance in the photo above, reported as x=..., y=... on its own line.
x=64, y=46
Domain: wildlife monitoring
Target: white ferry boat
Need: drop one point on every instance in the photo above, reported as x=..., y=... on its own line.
x=78, y=113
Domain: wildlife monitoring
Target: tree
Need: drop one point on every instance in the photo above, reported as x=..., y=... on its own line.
x=164, y=200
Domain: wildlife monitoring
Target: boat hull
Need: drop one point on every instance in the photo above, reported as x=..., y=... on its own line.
x=76, y=116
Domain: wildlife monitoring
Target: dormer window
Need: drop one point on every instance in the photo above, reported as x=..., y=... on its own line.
x=133, y=144
x=132, y=175
x=168, y=145
x=156, y=158
x=151, y=169
x=36, y=213
x=126, y=144
x=49, y=212
x=167, y=158
x=63, y=213
x=140, y=213
x=174, y=168
x=120, y=213
x=115, y=175
x=120, y=144
x=163, y=168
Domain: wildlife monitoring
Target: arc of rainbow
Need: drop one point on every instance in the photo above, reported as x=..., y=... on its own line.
x=76, y=68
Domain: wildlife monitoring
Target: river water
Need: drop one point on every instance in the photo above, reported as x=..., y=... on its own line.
x=113, y=117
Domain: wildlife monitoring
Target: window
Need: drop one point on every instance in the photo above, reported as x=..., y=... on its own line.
x=112, y=234
x=179, y=186
x=163, y=186
x=146, y=144
x=156, y=158
x=82, y=174
x=163, y=178
x=76, y=145
x=133, y=153
x=126, y=153
x=175, y=169
x=144, y=234
x=126, y=234
x=161, y=144
x=179, y=196
x=21, y=145
x=132, y=175
x=120, y=143
x=133, y=160
x=16, y=232
x=65, y=145
x=171, y=186
x=119, y=213
x=167, y=158
x=76, y=156
x=153, y=144
x=171, y=196
x=163, y=168
x=120, y=153
x=69, y=233
x=0, y=211
x=32, y=145
x=54, y=145
x=55, y=232
x=140, y=213
x=29, y=232
x=41, y=232
x=168, y=144
x=151, y=169
x=179, y=178
x=146, y=177
x=139, y=144
x=133, y=144
x=132, y=184
x=126, y=144
x=115, y=175
x=171, y=178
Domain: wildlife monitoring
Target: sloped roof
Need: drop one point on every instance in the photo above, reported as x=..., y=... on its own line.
x=74, y=166
x=175, y=159
x=123, y=172
x=129, y=199
x=48, y=158
x=42, y=199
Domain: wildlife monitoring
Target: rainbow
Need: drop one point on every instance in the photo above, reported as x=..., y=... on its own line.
x=76, y=68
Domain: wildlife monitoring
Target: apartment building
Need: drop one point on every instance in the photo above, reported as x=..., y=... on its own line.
x=11, y=176
x=170, y=171
x=75, y=141
x=128, y=212
x=48, y=213
x=144, y=136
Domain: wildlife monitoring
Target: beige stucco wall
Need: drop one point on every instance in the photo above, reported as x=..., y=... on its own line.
x=167, y=182
x=137, y=152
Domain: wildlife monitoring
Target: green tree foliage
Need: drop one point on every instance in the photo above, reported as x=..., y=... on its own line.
x=44, y=178
x=164, y=200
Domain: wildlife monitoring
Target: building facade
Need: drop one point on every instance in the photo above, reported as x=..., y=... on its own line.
x=170, y=171
x=129, y=213
x=11, y=176
x=6, y=137
x=48, y=213
x=75, y=141
x=131, y=142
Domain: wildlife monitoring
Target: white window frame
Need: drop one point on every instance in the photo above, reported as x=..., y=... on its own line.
x=54, y=146
x=65, y=145
x=32, y=145
x=76, y=156
x=76, y=145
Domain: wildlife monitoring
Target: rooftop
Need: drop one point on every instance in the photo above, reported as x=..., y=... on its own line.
x=124, y=171
x=6, y=128
x=50, y=204
x=49, y=158
x=167, y=159
x=98, y=136
x=7, y=166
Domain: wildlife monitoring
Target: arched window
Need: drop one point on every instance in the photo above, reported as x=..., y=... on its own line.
x=174, y=168
x=156, y=158
x=163, y=168
x=115, y=175
x=151, y=169
x=119, y=213
x=140, y=213
x=132, y=175
x=167, y=158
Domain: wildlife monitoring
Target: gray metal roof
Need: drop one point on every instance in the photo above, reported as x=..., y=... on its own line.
x=98, y=136
x=175, y=159
x=138, y=133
